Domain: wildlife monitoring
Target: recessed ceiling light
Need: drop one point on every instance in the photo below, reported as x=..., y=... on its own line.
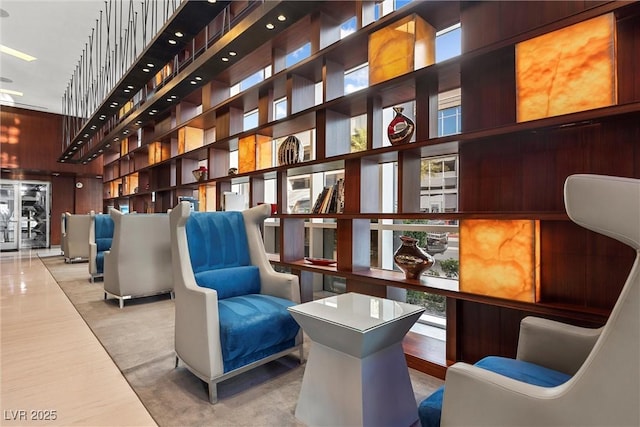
x=173, y=97
x=198, y=78
x=225, y=59
x=150, y=65
x=169, y=99
x=282, y=18
x=127, y=91
x=74, y=148
x=179, y=34
x=193, y=82
x=11, y=92
x=232, y=53
x=270, y=26
x=62, y=161
x=211, y=1
x=17, y=53
x=172, y=41
x=129, y=87
x=146, y=70
x=84, y=163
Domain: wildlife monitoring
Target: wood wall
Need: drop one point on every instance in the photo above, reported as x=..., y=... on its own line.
x=581, y=272
x=30, y=144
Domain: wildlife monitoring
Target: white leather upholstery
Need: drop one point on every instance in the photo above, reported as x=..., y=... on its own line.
x=75, y=237
x=197, y=335
x=605, y=390
x=139, y=261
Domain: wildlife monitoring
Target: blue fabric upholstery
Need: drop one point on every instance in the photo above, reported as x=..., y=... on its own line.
x=253, y=327
x=217, y=240
x=430, y=408
x=104, y=226
x=232, y=281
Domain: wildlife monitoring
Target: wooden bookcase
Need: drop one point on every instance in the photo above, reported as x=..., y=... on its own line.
x=507, y=170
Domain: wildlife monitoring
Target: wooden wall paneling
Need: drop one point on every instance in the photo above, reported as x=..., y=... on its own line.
x=426, y=108
x=628, y=59
x=488, y=91
x=366, y=288
x=62, y=200
x=481, y=23
x=409, y=173
x=563, y=270
x=616, y=150
x=542, y=191
x=352, y=256
x=478, y=332
x=608, y=263
x=301, y=94
x=32, y=141
x=89, y=197
x=292, y=232
x=337, y=138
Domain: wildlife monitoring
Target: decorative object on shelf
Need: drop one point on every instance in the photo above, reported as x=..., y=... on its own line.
x=290, y=151
x=232, y=171
x=135, y=190
x=320, y=261
x=200, y=174
x=412, y=259
x=401, y=128
x=274, y=207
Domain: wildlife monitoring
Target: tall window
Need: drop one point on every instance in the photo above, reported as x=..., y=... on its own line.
x=356, y=78
x=250, y=120
x=298, y=55
x=448, y=43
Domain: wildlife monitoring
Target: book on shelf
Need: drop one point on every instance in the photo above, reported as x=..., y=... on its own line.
x=330, y=199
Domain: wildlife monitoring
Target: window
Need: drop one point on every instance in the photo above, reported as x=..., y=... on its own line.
x=250, y=81
x=449, y=121
x=358, y=133
x=298, y=55
x=356, y=78
x=448, y=43
x=348, y=27
x=280, y=108
x=250, y=120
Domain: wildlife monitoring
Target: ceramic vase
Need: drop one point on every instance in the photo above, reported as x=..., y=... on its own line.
x=401, y=128
x=412, y=259
x=200, y=174
x=290, y=151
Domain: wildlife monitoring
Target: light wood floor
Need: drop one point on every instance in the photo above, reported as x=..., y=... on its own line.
x=52, y=366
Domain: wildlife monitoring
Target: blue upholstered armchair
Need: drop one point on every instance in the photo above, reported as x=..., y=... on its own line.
x=100, y=236
x=231, y=306
x=563, y=375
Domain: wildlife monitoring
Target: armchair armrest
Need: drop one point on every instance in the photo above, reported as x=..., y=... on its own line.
x=197, y=335
x=282, y=285
x=555, y=345
x=492, y=399
x=93, y=253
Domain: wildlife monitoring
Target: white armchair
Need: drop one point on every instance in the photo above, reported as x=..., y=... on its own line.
x=139, y=261
x=231, y=306
x=601, y=367
x=75, y=237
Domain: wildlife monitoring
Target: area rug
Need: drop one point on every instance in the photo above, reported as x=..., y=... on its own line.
x=139, y=339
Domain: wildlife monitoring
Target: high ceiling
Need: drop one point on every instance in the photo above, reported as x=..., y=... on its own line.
x=55, y=32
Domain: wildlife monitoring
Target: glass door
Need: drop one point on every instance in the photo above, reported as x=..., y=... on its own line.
x=34, y=220
x=8, y=218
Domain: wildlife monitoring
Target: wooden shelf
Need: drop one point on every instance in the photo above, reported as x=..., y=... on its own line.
x=505, y=170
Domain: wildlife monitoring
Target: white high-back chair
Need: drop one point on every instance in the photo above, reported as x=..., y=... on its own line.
x=604, y=363
x=75, y=237
x=139, y=261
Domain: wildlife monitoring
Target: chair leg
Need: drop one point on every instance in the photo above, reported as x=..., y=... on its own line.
x=301, y=355
x=172, y=294
x=121, y=303
x=213, y=392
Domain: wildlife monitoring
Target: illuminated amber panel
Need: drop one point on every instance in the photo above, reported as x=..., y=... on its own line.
x=568, y=70
x=402, y=47
x=155, y=152
x=498, y=258
x=189, y=139
x=202, y=198
x=247, y=154
x=264, y=151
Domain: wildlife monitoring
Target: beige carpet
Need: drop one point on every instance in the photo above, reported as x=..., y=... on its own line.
x=139, y=338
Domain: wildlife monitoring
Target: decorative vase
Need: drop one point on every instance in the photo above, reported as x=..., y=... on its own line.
x=412, y=259
x=290, y=151
x=401, y=128
x=200, y=174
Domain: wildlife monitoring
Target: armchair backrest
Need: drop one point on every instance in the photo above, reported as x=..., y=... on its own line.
x=610, y=376
x=76, y=235
x=217, y=240
x=140, y=254
x=102, y=231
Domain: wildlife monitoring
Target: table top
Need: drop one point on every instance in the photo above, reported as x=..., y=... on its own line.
x=356, y=311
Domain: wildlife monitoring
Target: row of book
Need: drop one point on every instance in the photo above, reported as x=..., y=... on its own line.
x=330, y=199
